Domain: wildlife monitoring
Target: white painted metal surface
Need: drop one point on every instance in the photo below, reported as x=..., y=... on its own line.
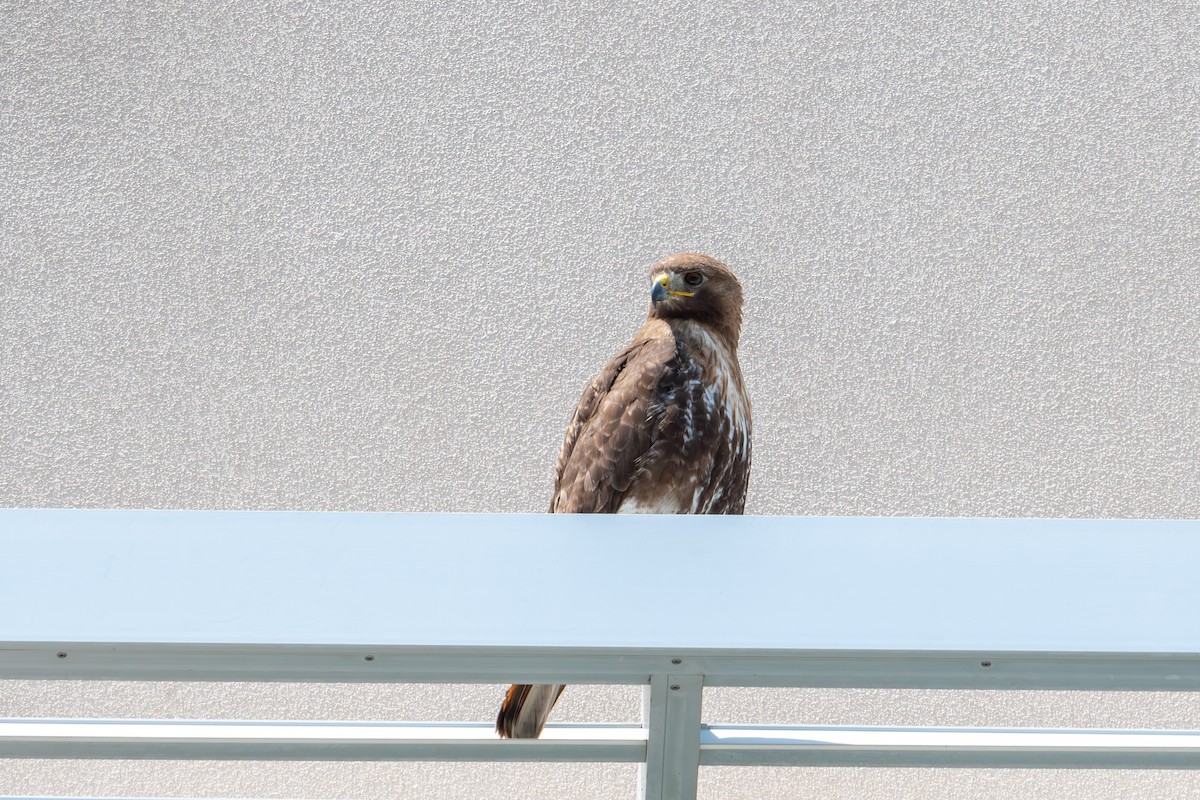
x=312, y=741
x=789, y=583
x=949, y=747
x=673, y=748
x=715, y=745
x=674, y=603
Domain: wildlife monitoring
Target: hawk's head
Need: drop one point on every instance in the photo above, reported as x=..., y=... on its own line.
x=696, y=287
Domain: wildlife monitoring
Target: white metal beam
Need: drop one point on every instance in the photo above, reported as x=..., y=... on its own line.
x=730, y=667
x=671, y=768
x=950, y=585
x=949, y=747
x=395, y=598
x=313, y=741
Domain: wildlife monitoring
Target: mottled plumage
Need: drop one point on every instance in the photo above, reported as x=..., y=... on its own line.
x=663, y=429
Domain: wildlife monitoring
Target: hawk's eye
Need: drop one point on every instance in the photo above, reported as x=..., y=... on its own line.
x=693, y=279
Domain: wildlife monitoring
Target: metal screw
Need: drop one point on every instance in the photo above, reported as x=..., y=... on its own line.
x=985, y=663
x=676, y=660
x=61, y=655
x=675, y=688
x=369, y=658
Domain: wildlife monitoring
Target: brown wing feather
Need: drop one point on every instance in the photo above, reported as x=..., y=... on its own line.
x=611, y=430
x=646, y=425
x=609, y=433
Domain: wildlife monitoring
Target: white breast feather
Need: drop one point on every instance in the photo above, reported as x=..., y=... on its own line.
x=734, y=410
x=665, y=505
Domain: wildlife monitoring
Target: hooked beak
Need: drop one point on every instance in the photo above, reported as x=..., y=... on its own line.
x=661, y=289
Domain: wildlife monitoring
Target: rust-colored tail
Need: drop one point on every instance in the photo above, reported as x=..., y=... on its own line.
x=525, y=708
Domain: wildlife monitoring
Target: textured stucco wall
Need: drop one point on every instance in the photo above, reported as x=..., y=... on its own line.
x=364, y=256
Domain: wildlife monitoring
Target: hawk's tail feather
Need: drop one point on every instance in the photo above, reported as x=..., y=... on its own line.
x=525, y=709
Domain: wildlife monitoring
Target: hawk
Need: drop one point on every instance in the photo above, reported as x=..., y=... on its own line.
x=663, y=429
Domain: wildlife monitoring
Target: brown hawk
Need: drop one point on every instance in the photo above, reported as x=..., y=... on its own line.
x=663, y=429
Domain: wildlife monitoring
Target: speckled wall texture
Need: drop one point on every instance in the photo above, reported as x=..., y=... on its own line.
x=364, y=256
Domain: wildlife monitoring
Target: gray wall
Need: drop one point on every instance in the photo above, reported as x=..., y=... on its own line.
x=364, y=256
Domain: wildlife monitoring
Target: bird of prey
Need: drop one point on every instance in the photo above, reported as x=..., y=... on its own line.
x=663, y=429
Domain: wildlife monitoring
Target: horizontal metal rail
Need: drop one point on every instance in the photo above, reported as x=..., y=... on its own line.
x=675, y=604
x=949, y=747
x=822, y=746
x=865, y=668
x=312, y=741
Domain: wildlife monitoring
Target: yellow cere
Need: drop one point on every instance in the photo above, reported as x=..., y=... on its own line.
x=664, y=280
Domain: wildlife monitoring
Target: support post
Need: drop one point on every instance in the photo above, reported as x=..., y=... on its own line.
x=672, y=715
